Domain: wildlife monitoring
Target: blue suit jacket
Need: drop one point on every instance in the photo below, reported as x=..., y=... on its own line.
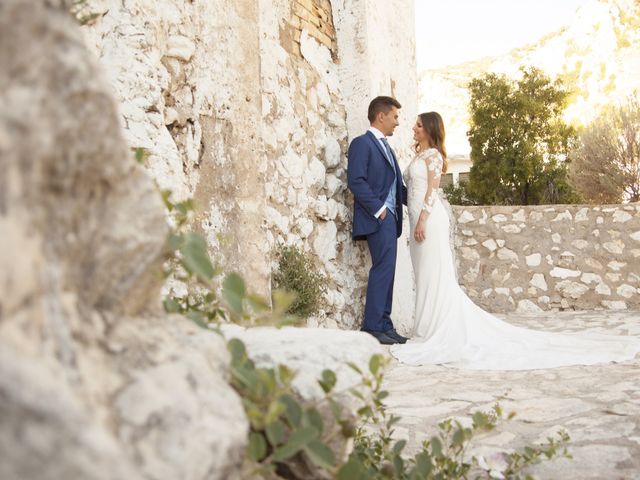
x=369, y=176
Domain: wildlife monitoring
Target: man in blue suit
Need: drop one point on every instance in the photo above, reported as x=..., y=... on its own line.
x=375, y=180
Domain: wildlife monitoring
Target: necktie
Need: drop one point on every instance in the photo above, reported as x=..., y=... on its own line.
x=387, y=148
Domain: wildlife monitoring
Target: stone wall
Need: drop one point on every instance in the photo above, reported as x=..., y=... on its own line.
x=554, y=257
x=248, y=106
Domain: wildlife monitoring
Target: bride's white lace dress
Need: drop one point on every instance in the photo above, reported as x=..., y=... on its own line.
x=451, y=330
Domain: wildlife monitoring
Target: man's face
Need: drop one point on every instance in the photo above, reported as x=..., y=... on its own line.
x=389, y=121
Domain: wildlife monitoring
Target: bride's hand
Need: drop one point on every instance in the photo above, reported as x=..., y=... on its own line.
x=420, y=232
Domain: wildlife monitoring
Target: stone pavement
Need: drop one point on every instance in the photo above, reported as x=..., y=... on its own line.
x=599, y=406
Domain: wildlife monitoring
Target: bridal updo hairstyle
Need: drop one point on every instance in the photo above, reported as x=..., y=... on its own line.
x=433, y=125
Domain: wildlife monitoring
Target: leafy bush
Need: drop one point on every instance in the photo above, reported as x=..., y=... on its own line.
x=296, y=273
x=290, y=438
x=457, y=194
x=201, y=291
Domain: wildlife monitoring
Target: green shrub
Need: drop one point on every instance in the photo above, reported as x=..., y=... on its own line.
x=457, y=194
x=290, y=438
x=296, y=273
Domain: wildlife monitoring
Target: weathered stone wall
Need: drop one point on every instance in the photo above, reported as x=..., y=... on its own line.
x=549, y=257
x=249, y=106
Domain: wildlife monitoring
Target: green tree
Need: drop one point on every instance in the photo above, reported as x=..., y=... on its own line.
x=605, y=166
x=519, y=141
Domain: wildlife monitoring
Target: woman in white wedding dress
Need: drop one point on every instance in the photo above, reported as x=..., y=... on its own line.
x=449, y=328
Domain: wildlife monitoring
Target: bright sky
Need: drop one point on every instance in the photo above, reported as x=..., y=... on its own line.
x=449, y=32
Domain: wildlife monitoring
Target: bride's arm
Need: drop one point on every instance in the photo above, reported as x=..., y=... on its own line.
x=433, y=160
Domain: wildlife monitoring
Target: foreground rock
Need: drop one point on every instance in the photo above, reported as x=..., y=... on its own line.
x=95, y=382
x=309, y=351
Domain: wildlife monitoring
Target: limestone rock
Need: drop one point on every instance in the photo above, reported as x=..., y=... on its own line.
x=626, y=291
x=325, y=241
x=533, y=260
x=91, y=387
x=466, y=217
x=490, y=244
x=564, y=273
x=571, y=289
x=620, y=216
x=527, y=306
x=616, y=247
x=309, y=351
x=507, y=254
x=332, y=153
x=614, y=305
x=538, y=281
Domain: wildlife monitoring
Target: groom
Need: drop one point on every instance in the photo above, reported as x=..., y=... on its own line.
x=375, y=180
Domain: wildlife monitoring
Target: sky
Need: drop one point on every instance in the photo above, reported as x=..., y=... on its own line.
x=449, y=32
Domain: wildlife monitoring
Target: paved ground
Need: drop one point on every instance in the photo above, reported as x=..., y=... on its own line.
x=599, y=406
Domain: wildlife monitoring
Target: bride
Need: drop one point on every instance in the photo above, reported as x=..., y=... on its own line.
x=449, y=328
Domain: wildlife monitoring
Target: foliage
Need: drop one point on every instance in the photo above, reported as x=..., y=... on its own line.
x=200, y=291
x=519, y=140
x=81, y=11
x=296, y=273
x=288, y=436
x=291, y=438
x=605, y=165
x=457, y=194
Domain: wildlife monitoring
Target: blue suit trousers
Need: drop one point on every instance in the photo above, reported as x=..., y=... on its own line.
x=383, y=247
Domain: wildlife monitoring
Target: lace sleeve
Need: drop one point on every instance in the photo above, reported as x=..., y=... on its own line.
x=433, y=160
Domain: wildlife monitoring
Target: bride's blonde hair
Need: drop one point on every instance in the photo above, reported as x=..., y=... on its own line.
x=433, y=126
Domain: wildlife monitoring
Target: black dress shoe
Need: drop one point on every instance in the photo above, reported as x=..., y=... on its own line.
x=391, y=333
x=382, y=337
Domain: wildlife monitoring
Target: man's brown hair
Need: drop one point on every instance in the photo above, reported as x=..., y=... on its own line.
x=381, y=104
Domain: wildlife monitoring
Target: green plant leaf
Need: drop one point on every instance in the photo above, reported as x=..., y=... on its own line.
x=298, y=439
x=141, y=153
x=233, y=291
x=312, y=418
x=174, y=240
x=275, y=432
x=293, y=411
x=237, y=350
x=171, y=306
x=195, y=257
x=436, y=446
x=423, y=465
x=374, y=363
x=320, y=454
x=247, y=377
x=328, y=380
x=458, y=438
x=258, y=303
x=197, y=318
x=397, y=448
x=353, y=470
x=282, y=300
x=285, y=374
x=276, y=408
x=398, y=465
x=257, y=446
x=354, y=367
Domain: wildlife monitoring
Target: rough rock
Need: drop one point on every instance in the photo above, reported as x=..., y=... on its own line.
x=96, y=382
x=309, y=351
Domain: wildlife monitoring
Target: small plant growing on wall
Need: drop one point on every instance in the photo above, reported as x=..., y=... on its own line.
x=296, y=273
